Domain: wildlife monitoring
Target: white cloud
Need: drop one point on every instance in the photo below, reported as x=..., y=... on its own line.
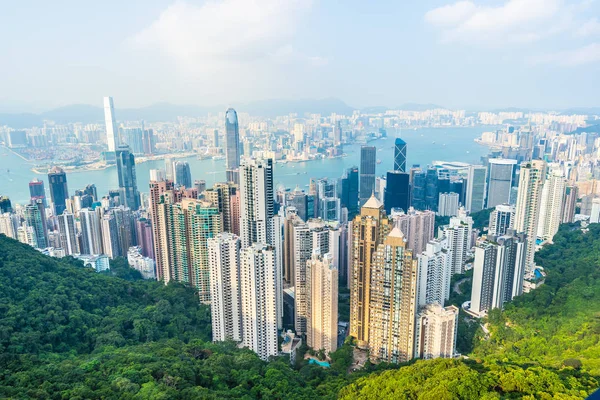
x=589, y=28
x=222, y=31
x=514, y=21
x=571, y=58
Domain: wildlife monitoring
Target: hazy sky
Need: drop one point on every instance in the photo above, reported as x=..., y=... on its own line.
x=529, y=53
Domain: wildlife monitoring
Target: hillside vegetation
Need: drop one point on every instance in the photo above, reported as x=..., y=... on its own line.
x=67, y=332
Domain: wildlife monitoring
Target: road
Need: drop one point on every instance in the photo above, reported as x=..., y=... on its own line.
x=456, y=287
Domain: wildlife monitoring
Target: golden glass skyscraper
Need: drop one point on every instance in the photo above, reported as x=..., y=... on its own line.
x=393, y=303
x=368, y=231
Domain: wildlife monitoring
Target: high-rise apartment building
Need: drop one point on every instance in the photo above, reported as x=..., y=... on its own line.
x=448, y=204
x=68, y=233
x=435, y=273
x=531, y=180
x=59, y=193
x=322, y=302
x=259, y=300
x=110, y=236
x=8, y=225
x=256, y=202
x=91, y=231
x=157, y=191
x=112, y=131
x=128, y=191
x=393, y=301
x=498, y=271
x=368, y=231
x=551, y=205
x=220, y=196
x=224, y=261
x=368, y=162
x=417, y=227
x=436, y=332
x=458, y=234
x=570, y=202
x=232, y=145
x=35, y=218
x=501, y=220
x=183, y=174
x=399, y=155
x=476, y=182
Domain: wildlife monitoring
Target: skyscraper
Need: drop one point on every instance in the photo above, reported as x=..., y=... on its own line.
x=475, y=197
x=183, y=174
x=91, y=231
x=36, y=191
x=157, y=191
x=219, y=196
x=112, y=131
x=393, y=301
x=397, y=191
x=500, y=179
x=498, y=272
x=551, y=205
x=458, y=235
x=259, y=299
x=322, y=302
x=436, y=331
x=431, y=189
x=448, y=204
x=68, y=235
x=570, y=202
x=256, y=202
x=128, y=191
x=531, y=180
x=232, y=145
x=417, y=227
x=224, y=260
x=368, y=231
x=35, y=218
x=110, y=236
x=435, y=273
x=501, y=220
x=349, y=191
x=400, y=155
x=368, y=162
x=59, y=193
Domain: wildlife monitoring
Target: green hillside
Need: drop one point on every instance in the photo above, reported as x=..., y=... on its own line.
x=67, y=332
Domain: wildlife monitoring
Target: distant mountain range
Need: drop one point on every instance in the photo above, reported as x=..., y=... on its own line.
x=86, y=113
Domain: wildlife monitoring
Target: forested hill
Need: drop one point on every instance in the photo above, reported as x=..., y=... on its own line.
x=67, y=332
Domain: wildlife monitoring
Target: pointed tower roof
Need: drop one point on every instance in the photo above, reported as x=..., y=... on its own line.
x=396, y=232
x=372, y=202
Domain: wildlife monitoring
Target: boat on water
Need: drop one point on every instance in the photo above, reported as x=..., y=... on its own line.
x=378, y=161
x=216, y=158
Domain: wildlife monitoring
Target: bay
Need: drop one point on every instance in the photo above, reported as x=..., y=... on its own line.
x=423, y=146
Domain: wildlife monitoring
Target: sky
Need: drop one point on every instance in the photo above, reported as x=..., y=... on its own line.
x=459, y=54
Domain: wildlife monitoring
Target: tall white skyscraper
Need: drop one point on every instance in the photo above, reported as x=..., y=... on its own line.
x=68, y=234
x=8, y=226
x=435, y=272
x=551, y=205
x=448, y=204
x=91, y=231
x=322, y=306
x=259, y=300
x=501, y=219
x=112, y=131
x=531, y=179
x=458, y=238
x=224, y=260
x=475, y=196
x=307, y=238
x=256, y=202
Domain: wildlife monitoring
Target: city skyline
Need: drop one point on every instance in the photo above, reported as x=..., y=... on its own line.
x=510, y=46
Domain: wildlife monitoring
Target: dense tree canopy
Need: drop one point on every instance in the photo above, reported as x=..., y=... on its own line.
x=69, y=332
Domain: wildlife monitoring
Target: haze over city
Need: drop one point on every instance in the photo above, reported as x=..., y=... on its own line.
x=458, y=54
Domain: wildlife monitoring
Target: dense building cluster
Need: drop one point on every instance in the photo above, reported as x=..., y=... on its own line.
x=271, y=260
